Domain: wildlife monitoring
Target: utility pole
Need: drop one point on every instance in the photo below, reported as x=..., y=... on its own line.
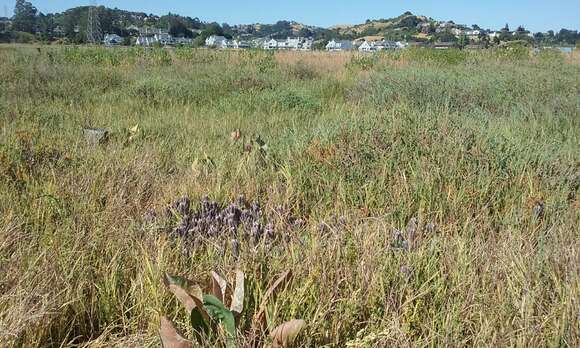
x=94, y=34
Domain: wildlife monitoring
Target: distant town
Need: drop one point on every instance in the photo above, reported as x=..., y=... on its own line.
x=115, y=27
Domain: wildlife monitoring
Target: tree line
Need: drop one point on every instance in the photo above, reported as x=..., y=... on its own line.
x=28, y=24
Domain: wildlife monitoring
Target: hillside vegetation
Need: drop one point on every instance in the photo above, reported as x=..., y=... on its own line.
x=419, y=198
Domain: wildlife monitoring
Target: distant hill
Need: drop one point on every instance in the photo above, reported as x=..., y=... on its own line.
x=280, y=30
x=72, y=26
x=406, y=21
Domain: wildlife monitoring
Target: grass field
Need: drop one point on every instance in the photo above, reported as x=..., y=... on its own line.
x=476, y=155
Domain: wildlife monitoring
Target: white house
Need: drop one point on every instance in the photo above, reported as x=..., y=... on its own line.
x=164, y=39
x=216, y=41
x=237, y=44
x=270, y=44
x=282, y=45
x=456, y=31
x=381, y=45
x=365, y=47
x=112, y=40
x=307, y=44
x=183, y=41
x=291, y=43
x=473, y=32
x=294, y=43
x=339, y=45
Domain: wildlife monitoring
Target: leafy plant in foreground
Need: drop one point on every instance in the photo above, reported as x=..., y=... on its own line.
x=209, y=314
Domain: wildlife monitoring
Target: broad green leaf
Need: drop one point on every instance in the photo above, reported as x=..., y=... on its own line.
x=198, y=324
x=200, y=308
x=219, y=313
x=170, y=338
x=285, y=335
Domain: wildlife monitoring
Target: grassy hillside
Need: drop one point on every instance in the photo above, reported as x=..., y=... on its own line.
x=403, y=26
x=419, y=197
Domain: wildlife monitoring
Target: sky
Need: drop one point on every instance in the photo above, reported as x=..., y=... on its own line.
x=535, y=15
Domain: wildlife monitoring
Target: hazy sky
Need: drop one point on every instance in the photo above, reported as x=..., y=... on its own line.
x=535, y=15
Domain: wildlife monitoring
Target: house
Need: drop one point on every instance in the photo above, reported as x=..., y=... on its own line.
x=307, y=44
x=443, y=45
x=238, y=44
x=144, y=41
x=163, y=39
x=365, y=47
x=133, y=29
x=148, y=31
x=183, y=41
x=456, y=31
x=216, y=41
x=291, y=43
x=444, y=26
x=112, y=40
x=270, y=44
x=386, y=45
x=58, y=31
x=339, y=45
x=424, y=27
x=381, y=45
x=282, y=45
x=294, y=43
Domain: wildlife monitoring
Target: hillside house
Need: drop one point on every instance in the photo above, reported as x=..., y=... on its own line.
x=112, y=40
x=380, y=46
x=307, y=44
x=238, y=44
x=339, y=45
x=424, y=27
x=216, y=41
x=290, y=43
x=443, y=45
x=473, y=32
x=183, y=41
x=456, y=31
x=270, y=44
x=164, y=39
x=148, y=31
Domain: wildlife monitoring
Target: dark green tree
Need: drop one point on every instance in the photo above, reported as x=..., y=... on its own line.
x=24, y=17
x=178, y=29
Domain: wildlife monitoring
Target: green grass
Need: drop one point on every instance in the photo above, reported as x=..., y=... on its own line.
x=468, y=141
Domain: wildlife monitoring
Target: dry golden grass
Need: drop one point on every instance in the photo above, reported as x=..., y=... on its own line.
x=357, y=146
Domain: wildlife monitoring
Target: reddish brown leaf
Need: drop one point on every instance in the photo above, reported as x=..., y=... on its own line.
x=170, y=338
x=285, y=335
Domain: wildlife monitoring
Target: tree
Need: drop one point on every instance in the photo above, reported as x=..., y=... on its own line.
x=24, y=17
x=45, y=26
x=462, y=41
x=506, y=29
x=305, y=32
x=178, y=29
